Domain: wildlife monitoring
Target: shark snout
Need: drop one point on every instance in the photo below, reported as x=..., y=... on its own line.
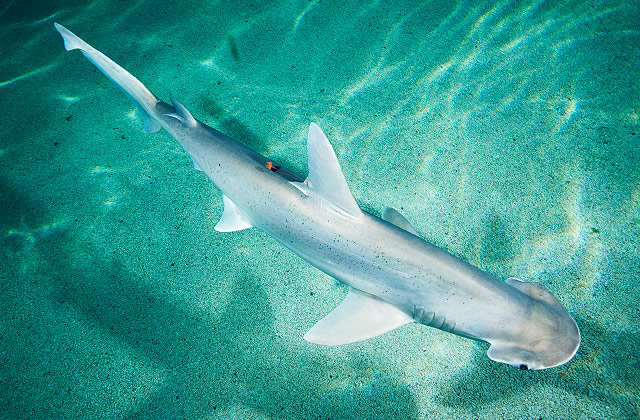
x=550, y=338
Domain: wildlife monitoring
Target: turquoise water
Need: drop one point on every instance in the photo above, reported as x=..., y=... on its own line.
x=506, y=132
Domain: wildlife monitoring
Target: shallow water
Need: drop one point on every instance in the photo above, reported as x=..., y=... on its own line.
x=506, y=132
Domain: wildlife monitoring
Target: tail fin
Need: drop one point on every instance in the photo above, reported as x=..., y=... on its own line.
x=132, y=87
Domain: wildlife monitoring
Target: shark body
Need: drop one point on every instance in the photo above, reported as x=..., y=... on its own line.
x=395, y=277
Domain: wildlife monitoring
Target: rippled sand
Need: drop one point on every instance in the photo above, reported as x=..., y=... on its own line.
x=507, y=133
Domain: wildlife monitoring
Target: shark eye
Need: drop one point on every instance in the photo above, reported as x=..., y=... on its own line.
x=524, y=367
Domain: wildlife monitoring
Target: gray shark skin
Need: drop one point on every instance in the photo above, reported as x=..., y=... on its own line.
x=395, y=277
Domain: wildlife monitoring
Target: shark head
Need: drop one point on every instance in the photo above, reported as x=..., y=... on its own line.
x=549, y=337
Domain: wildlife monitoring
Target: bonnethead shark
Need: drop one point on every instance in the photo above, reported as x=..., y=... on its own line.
x=394, y=276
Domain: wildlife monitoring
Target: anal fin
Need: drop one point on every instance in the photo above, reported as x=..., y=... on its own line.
x=359, y=317
x=150, y=125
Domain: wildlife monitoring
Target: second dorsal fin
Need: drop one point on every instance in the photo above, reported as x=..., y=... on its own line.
x=182, y=114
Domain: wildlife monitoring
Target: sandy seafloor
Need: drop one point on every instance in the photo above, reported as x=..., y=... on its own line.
x=506, y=132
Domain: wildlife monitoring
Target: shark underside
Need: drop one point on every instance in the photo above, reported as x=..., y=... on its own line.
x=394, y=276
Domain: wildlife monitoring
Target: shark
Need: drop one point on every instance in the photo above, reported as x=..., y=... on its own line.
x=394, y=276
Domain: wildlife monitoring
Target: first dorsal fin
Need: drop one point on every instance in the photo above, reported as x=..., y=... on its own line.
x=359, y=317
x=325, y=175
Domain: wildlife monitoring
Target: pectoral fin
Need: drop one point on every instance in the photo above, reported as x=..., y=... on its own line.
x=359, y=317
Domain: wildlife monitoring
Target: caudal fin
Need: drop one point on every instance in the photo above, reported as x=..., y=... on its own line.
x=132, y=87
